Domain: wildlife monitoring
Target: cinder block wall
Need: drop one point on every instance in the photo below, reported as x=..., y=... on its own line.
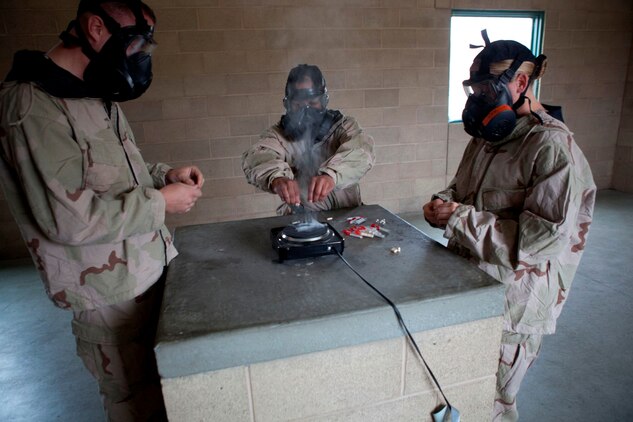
x=623, y=169
x=221, y=67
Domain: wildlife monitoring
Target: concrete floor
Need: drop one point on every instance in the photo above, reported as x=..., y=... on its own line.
x=584, y=373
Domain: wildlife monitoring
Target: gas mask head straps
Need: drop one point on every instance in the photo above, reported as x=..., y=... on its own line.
x=142, y=27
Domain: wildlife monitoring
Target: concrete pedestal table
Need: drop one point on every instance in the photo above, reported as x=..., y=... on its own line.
x=245, y=338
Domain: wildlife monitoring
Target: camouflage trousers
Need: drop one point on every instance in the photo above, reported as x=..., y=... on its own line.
x=518, y=352
x=116, y=344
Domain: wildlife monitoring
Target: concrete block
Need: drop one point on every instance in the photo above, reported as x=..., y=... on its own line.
x=263, y=17
x=425, y=188
x=165, y=131
x=433, y=38
x=230, y=147
x=216, y=188
x=247, y=125
x=420, y=18
x=326, y=381
x=162, y=88
x=397, y=189
x=382, y=98
x=396, y=78
x=432, y=114
x=416, y=96
x=363, y=38
x=250, y=40
x=247, y=83
x=380, y=59
x=223, y=62
x=399, y=38
x=207, y=128
x=194, y=41
x=366, y=117
x=220, y=18
x=407, y=409
x=347, y=99
x=186, y=107
x=449, y=352
x=415, y=170
x=397, y=116
x=177, y=19
x=382, y=173
x=227, y=105
x=384, y=135
x=220, y=168
x=142, y=110
x=267, y=61
x=381, y=17
x=395, y=153
x=417, y=57
x=220, y=396
x=431, y=151
x=423, y=133
x=177, y=65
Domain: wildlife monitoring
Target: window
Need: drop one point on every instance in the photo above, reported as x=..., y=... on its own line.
x=466, y=26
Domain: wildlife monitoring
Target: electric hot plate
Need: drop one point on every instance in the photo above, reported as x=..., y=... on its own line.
x=306, y=240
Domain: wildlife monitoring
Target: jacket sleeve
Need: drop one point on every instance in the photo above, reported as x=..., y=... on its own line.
x=544, y=224
x=49, y=164
x=266, y=160
x=353, y=158
x=158, y=171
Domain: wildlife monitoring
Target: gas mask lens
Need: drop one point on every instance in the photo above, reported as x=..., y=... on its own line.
x=486, y=90
x=138, y=43
x=314, y=102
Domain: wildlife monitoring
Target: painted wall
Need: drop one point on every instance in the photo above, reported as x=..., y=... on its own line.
x=221, y=67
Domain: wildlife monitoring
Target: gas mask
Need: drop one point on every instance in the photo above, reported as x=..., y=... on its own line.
x=122, y=69
x=305, y=112
x=489, y=112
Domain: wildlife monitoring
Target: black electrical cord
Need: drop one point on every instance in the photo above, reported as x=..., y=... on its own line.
x=403, y=326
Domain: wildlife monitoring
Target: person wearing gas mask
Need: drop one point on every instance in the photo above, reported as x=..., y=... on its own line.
x=519, y=206
x=91, y=211
x=314, y=157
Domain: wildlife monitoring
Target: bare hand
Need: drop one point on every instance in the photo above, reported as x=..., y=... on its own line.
x=429, y=210
x=320, y=188
x=179, y=197
x=189, y=175
x=287, y=189
x=444, y=211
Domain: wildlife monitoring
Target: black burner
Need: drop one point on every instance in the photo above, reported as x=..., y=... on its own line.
x=305, y=232
x=305, y=240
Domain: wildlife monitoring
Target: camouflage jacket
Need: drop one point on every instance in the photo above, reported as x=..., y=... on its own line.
x=85, y=201
x=345, y=154
x=527, y=204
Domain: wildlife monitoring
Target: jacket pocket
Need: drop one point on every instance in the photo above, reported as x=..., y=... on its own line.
x=107, y=169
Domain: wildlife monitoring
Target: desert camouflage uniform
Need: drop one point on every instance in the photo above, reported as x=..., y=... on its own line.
x=88, y=208
x=527, y=204
x=345, y=154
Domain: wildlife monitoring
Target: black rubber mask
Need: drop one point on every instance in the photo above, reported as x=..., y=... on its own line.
x=122, y=69
x=489, y=112
x=303, y=123
x=117, y=75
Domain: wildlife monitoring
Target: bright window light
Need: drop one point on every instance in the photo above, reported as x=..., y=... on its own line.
x=466, y=27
